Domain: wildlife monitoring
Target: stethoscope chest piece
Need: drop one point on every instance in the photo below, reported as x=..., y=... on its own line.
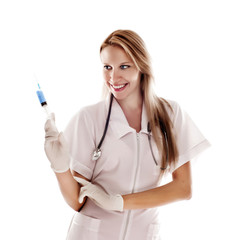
x=96, y=154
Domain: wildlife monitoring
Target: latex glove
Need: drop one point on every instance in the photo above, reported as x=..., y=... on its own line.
x=56, y=147
x=99, y=196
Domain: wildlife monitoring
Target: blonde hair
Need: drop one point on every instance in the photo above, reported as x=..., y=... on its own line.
x=135, y=47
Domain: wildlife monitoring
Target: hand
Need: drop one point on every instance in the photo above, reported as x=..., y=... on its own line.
x=56, y=147
x=99, y=196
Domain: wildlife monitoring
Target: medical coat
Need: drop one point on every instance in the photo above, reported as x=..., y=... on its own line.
x=125, y=166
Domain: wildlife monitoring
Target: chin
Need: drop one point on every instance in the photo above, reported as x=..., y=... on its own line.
x=119, y=97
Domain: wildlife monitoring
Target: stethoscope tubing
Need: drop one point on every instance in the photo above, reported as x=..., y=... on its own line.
x=97, y=152
x=107, y=123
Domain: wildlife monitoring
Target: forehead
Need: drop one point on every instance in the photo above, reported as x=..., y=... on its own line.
x=114, y=54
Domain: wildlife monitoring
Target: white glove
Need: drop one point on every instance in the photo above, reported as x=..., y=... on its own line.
x=56, y=147
x=99, y=196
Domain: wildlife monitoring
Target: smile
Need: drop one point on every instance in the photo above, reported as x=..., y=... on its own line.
x=119, y=87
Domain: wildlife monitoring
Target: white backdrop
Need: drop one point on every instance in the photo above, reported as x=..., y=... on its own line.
x=191, y=47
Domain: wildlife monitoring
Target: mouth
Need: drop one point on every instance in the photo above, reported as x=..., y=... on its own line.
x=119, y=87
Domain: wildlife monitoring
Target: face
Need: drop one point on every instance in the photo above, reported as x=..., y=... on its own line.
x=120, y=73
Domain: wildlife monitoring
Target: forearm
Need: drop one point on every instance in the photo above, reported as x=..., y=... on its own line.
x=69, y=189
x=171, y=192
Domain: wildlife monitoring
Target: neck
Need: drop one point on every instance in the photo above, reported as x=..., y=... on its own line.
x=131, y=104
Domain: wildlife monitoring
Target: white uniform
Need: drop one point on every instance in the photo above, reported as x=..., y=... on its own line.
x=125, y=166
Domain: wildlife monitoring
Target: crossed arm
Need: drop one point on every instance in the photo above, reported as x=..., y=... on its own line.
x=180, y=188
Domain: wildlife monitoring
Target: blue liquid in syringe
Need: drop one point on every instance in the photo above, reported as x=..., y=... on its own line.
x=41, y=97
x=42, y=100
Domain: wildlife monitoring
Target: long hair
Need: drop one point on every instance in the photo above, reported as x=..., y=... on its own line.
x=156, y=107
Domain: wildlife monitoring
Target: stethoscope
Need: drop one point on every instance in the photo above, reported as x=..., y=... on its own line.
x=97, y=152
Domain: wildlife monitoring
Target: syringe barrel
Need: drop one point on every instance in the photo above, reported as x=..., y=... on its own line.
x=43, y=103
x=41, y=97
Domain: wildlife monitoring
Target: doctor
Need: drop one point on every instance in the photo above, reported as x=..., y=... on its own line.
x=116, y=195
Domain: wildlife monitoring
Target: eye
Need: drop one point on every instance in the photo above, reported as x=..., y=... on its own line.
x=124, y=67
x=107, y=67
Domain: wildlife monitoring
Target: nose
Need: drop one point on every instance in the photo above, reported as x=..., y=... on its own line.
x=114, y=76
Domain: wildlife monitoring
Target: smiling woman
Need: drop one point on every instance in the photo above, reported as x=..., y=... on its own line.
x=191, y=49
x=117, y=195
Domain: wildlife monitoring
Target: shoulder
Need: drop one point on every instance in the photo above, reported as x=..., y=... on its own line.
x=173, y=108
x=93, y=109
x=179, y=117
x=173, y=104
x=87, y=119
x=90, y=112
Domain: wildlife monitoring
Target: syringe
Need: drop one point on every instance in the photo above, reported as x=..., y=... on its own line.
x=43, y=102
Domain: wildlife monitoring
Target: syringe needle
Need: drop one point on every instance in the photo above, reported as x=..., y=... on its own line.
x=35, y=76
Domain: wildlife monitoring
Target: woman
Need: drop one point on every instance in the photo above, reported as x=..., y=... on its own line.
x=115, y=191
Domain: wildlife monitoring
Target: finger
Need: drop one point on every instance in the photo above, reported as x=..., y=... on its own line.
x=51, y=137
x=52, y=116
x=50, y=122
x=62, y=139
x=51, y=130
x=82, y=195
x=81, y=181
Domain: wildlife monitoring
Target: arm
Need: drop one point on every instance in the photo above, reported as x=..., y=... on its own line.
x=180, y=188
x=57, y=152
x=70, y=188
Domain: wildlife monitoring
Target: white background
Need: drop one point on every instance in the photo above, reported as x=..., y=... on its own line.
x=191, y=47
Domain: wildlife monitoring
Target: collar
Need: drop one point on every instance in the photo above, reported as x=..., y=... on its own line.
x=118, y=122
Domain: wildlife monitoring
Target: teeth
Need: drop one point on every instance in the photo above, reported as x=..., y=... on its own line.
x=120, y=86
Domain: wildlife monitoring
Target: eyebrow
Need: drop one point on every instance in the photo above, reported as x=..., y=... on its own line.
x=122, y=63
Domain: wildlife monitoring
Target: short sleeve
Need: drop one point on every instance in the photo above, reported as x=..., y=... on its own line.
x=80, y=137
x=190, y=141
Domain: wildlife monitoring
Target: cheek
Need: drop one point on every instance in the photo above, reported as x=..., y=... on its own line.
x=106, y=76
x=134, y=76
